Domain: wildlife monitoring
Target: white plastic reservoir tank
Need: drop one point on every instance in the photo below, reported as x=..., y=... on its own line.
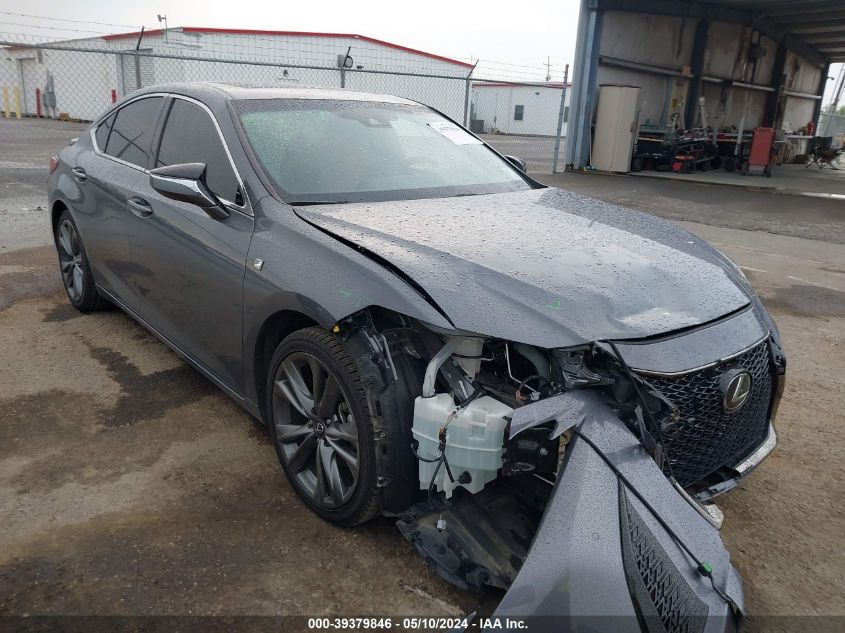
x=474, y=438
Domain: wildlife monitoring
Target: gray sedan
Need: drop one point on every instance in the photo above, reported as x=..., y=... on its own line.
x=546, y=390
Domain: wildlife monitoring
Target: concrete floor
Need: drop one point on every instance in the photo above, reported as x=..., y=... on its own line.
x=828, y=182
x=537, y=151
x=130, y=485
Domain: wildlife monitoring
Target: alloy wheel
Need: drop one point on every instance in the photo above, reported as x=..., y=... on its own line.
x=70, y=260
x=315, y=430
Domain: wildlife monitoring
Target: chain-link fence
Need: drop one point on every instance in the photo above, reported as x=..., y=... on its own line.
x=78, y=80
x=833, y=125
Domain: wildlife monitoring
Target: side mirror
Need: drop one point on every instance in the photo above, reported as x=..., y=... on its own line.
x=186, y=183
x=517, y=162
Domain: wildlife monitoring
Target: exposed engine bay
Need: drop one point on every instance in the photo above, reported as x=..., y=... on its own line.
x=491, y=426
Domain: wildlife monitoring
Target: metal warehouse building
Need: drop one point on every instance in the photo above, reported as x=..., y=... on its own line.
x=755, y=62
x=81, y=83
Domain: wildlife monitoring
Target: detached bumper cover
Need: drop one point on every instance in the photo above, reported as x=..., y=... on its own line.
x=600, y=561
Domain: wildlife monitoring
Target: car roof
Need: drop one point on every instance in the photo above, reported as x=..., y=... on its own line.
x=220, y=91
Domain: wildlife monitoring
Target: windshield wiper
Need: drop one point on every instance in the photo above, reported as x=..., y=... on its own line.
x=308, y=203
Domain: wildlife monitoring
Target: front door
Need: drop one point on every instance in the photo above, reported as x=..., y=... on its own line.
x=191, y=265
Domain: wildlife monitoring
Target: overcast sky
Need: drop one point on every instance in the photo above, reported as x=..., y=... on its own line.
x=518, y=36
x=519, y=33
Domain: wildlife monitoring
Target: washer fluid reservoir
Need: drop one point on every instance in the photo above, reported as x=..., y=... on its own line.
x=474, y=438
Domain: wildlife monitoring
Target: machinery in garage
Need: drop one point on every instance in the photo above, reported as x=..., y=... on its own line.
x=686, y=151
x=758, y=65
x=678, y=150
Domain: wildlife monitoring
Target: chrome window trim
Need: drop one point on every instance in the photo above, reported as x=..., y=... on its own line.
x=245, y=209
x=93, y=131
x=675, y=374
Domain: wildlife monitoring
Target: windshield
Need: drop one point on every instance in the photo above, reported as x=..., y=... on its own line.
x=316, y=150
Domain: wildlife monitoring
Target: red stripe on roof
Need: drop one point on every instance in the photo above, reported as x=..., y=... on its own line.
x=363, y=38
x=134, y=35
x=477, y=83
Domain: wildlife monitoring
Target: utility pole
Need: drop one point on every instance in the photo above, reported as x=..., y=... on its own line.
x=548, y=68
x=560, y=116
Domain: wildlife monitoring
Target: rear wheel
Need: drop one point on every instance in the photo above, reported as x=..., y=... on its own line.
x=321, y=426
x=77, y=278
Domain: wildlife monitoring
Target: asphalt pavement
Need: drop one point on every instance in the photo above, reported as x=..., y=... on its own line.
x=131, y=485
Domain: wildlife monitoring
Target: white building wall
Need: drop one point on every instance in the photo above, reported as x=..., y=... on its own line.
x=316, y=50
x=8, y=73
x=445, y=95
x=84, y=81
x=495, y=105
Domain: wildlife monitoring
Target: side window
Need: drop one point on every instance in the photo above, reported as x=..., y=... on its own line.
x=132, y=133
x=102, y=133
x=191, y=137
x=518, y=112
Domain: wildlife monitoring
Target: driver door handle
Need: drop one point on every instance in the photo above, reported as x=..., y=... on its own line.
x=140, y=207
x=79, y=174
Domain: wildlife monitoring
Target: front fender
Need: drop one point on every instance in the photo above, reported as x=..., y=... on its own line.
x=305, y=271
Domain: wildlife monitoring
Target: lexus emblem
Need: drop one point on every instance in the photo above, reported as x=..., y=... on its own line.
x=736, y=385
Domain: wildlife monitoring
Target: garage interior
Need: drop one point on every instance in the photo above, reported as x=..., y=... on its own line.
x=711, y=91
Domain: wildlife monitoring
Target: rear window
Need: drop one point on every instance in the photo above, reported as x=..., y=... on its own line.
x=131, y=136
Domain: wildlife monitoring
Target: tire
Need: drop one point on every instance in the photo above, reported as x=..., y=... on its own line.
x=315, y=449
x=77, y=278
x=729, y=164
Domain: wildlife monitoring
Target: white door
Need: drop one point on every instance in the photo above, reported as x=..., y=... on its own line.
x=616, y=127
x=33, y=77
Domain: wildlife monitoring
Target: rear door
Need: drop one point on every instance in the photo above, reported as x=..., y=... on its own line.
x=111, y=179
x=192, y=264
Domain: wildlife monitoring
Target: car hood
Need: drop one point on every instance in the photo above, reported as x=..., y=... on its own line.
x=546, y=267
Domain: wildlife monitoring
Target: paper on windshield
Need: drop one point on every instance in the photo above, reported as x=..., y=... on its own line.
x=455, y=134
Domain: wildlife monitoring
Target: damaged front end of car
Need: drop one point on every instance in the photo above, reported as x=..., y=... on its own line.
x=575, y=479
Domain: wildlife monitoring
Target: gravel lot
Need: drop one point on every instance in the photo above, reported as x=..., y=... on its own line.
x=130, y=485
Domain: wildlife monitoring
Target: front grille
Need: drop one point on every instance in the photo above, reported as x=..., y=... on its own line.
x=704, y=437
x=664, y=600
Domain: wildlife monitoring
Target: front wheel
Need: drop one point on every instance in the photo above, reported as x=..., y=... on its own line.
x=321, y=426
